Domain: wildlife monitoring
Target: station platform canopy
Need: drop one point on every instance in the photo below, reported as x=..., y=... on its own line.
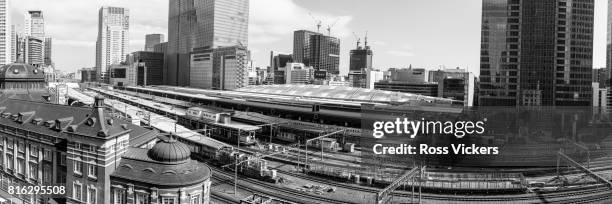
x=342, y=93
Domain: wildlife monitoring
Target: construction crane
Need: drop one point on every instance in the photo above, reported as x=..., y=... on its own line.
x=358, y=39
x=329, y=27
x=317, y=22
x=365, y=43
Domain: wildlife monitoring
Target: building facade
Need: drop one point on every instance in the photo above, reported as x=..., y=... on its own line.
x=602, y=76
x=223, y=68
x=317, y=50
x=34, y=51
x=151, y=40
x=34, y=24
x=5, y=33
x=529, y=46
x=425, y=89
x=113, y=38
x=278, y=60
x=47, y=52
x=202, y=23
x=162, y=174
x=360, y=58
x=410, y=75
x=148, y=67
x=122, y=75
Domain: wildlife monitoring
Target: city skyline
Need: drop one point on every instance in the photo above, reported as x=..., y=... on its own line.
x=417, y=43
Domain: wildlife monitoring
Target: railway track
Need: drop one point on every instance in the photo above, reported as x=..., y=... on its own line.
x=530, y=197
x=273, y=190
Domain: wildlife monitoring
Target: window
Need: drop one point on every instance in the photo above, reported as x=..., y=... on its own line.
x=33, y=171
x=118, y=197
x=76, y=191
x=21, y=166
x=9, y=161
x=47, y=155
x=168, y=200
x=195, y=199
x=47, y=173
x=63, y=160
x=91, y=195
x=92, y=169
x=78, y=165
x=21, y=146
x=141, y=198
x=33, y=150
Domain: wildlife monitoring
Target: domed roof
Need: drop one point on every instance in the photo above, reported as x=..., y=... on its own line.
x=169, y=150
x=21, y=71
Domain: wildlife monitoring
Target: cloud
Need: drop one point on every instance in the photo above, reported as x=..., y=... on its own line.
x=274, y=20
x=405, y=50
x=400, y=53
x=74, y=24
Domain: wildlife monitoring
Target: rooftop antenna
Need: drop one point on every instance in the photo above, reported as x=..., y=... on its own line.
x=317, y=22
x=358, y=39
x=329, y=27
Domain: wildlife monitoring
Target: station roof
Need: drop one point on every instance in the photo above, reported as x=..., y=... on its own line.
x=339, y=93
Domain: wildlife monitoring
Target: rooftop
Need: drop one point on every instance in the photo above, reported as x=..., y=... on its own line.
x=339, y=93
x=166, y=164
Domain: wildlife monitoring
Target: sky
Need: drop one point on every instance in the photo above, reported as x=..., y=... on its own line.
x=422, y=33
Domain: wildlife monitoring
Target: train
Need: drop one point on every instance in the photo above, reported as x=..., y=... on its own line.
x=249, y=165
x=217, y=123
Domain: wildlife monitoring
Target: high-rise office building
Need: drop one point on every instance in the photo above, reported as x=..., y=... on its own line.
x=151, y=40
x=5, y=33
x=34, y=24
x=14, y=45
x=113, y=38
x=148, y=67
x=360, y=58
x=317, y=50
x=536, y=51
x=198, y=24
x=609, y=44
x=47, y=51
x=34, y=51
x=223, y=68
x=278, y=60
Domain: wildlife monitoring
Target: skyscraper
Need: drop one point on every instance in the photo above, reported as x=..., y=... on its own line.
x=13, y=44
x=113, y=38
x=360, y=58
x=47, y=51
x=5, y=32
x=33, y=51
x=35, y=41
x=199, y=24
x=536, y=53
x=317, y=50
x=34, y=24
x=223, y=68
x=609, y=44
x=151, y=40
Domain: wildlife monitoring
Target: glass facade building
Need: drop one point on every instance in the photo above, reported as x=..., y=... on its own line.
x=536, y=46
x=151, y=40
x=202, y=23
x=317, y=50
x=223, y=68
x=113, y=38
x=5, y=32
